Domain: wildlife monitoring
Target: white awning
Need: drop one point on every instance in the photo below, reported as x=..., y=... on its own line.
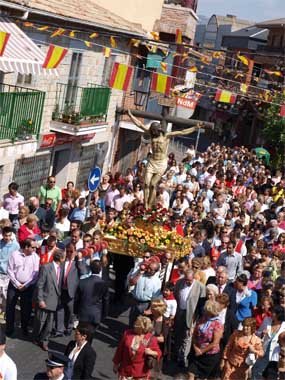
x=21, y=54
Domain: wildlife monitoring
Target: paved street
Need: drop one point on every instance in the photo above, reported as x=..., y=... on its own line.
x=30, y=359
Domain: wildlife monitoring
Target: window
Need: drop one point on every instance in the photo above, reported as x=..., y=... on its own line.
x=24, y=79
x=73, y=78
x=108, y=66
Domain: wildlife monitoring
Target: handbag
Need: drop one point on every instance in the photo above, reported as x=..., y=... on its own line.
x=250, y=358
x=150, y=361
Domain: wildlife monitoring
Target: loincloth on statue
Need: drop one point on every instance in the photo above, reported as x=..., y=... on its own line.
x=156, y=167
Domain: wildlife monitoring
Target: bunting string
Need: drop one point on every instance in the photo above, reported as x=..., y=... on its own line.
x=242, y=86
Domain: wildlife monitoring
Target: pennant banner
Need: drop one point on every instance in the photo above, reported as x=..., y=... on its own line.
x=107, y=52
x=58, y=32
x=178, y=36
x=225, y=96
x=270, y=72
x=4, y=37
x=54, y=56
x=161, y=83
x=243, y=59
x=120, y=77
x=113, y=42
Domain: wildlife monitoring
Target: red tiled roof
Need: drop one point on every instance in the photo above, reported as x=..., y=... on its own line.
x=80, y=10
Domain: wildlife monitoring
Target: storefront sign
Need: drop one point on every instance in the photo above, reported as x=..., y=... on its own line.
x=48, y=140
x=54, y=139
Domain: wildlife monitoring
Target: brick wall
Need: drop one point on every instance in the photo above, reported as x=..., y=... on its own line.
x=174, y=17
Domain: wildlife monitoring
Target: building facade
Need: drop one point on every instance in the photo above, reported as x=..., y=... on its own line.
x=66, y=120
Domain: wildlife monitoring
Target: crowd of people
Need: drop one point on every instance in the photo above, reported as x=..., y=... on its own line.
x=217, y=312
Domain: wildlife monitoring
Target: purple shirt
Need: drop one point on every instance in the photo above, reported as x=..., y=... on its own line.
x=110, y=196
x=12, y=203
x=23, y=269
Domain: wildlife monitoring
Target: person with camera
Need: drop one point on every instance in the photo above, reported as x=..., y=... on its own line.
x=147, y=286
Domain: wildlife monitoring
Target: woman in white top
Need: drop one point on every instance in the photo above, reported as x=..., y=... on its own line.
x=269, y=331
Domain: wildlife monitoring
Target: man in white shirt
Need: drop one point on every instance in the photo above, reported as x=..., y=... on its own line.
x=120, y=199
x=163, y=196
x=8, y=369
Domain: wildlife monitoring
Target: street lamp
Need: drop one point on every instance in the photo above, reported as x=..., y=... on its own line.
x=141, y=96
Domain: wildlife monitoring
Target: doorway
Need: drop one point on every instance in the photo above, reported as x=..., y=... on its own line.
x=60, y=162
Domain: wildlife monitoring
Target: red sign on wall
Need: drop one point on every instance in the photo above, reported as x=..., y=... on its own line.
x=54, y=139
x=48, y=140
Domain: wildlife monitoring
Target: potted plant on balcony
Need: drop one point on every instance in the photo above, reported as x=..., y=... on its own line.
x=67, y=112
x=25, y=130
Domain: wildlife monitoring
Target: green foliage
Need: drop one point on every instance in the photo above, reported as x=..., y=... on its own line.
x=274, y=128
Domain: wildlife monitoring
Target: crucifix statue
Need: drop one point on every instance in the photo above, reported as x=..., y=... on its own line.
x=157, y=163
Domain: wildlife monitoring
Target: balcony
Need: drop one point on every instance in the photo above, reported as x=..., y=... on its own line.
x=80, y=110
x=21, y=112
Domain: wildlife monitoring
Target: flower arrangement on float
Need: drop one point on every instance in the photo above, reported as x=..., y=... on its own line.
x=149, y=230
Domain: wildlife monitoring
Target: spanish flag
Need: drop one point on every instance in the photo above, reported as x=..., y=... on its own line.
x=120, y=77
x=243, y=59
x=4, y=37
x=94, y=35
x=282, y=110
x=155, y=35
x=54, y=56
x=161, y=83
x=178, y=37
x=225, y=96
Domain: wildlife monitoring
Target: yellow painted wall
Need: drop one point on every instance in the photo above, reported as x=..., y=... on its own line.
x=143, y=12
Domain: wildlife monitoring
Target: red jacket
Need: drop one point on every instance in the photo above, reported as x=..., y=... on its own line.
x=24, y=233
x=134, y=366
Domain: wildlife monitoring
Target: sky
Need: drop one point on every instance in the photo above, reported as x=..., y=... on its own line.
x=255, y=10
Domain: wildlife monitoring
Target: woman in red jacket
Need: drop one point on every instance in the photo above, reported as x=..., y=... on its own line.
x=30, y=229
x=136, y=345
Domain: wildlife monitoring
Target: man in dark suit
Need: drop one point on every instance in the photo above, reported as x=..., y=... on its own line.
x=93, y=297
x=73, y=268
x=57, y=365
x=40, y=212
x=224, y=286
x=47, y=295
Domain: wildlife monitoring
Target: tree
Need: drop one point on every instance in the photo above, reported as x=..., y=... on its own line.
x=274, y=129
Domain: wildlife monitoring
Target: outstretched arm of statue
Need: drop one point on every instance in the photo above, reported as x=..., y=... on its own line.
x=187, y=131
x=137, y=122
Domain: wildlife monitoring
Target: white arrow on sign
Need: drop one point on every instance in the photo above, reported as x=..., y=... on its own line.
x=94, y=179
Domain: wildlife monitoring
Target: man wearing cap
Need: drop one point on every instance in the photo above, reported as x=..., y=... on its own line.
x=56, y=365
x=8, y=369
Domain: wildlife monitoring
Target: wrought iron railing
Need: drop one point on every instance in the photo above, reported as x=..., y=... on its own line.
x=21, y=111
x=78, y=105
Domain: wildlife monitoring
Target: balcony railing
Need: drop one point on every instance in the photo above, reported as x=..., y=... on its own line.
x=81, y=105
x=21, y=112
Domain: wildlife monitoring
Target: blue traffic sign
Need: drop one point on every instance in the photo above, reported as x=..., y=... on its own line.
x=94, y=179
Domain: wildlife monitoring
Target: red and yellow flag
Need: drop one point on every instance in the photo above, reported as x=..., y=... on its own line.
x=225, y=96
x=155, y=35
x=161, y=83
x=54, y=56
x=178, y=36
x=282, y=110
x=217, y=54
x=4, y=37
x=120, y=77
